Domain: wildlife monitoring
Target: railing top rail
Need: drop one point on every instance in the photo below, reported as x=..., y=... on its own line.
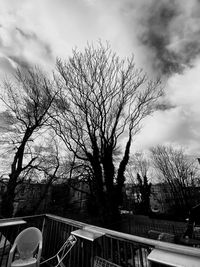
x=180, y=249
x=66, y=220
x=21, y=218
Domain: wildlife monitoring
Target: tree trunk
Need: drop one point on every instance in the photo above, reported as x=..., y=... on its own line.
x=9, y=197
x=121, y=170
x=108, y=210
x=42, y=197
x=16, y=169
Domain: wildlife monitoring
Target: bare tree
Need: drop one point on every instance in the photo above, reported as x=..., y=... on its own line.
x=138, y=173
x=27, y=101
x=178, y=171
x=102, y=101
x=138, y=163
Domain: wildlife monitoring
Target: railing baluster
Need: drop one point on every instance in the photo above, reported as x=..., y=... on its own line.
x=132, y=255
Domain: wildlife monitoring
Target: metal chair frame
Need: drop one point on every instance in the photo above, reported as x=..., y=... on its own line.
x=100, y=262
x=63, y=251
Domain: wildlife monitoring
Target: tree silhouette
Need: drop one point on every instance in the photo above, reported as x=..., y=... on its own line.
x=27, y=103
x=145, y=191
x=101, y=102
x=179, y=172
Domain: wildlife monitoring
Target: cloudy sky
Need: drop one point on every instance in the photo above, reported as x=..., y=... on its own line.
x=164, y=36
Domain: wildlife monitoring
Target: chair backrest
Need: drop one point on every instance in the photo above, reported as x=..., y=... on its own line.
x=27, y=242
x=100, y=262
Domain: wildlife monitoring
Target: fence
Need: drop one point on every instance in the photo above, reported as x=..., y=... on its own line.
x=140, y=225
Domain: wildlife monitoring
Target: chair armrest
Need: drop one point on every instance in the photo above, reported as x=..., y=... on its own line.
x=11, y=254
x=39, y=253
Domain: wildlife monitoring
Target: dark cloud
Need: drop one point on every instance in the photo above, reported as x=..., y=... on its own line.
x=31, y=36
x=22, y=48
x=164, y=106
x=21, y=62
x=6, y=65
x=26, y=35
x=190, y=51
x=165, y=31
x=6, y=121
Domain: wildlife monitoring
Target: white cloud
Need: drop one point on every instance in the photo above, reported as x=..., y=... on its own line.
x=184, y=89
x=36, y=32
x=179, y=125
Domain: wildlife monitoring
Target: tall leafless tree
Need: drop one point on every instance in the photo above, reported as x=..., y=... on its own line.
x=101, y=103
x=27, y=102
x=179, y=172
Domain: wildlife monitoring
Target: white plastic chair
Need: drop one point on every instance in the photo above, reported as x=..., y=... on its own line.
x=28, y=244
